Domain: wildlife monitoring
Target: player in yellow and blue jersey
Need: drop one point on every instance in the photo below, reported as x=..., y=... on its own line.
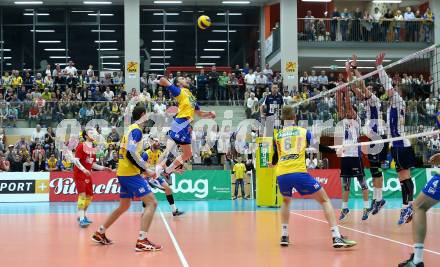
x=132, y=162
x=154, y=153
x=428, y=198
x=180, y=132
x=290, y=144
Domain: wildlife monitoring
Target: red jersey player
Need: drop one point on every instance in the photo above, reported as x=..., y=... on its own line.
x=84, y=161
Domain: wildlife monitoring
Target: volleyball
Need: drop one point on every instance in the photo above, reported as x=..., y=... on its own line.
x=204, y=22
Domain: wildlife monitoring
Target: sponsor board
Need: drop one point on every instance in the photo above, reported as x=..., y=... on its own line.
x=329, y=179
x=24, y=187
x=391, y=184
x=191, y=185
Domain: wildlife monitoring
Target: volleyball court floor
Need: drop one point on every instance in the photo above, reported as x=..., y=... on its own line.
x=211, y=233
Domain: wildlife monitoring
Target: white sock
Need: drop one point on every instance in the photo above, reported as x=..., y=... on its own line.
x=374, y=194
x=142, y=235
x=284, y=230
x=173, y=207
x=345, y=205
x=378, y=194
x=81, y=214
x=366, y=204
x=418, y=253
x=101, y=229
x=335, y=231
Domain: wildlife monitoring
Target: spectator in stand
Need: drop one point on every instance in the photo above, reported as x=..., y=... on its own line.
x=12, y=114
x=252, y=107
x=234, y=89
x=321, y=32
x=144, y=82
x=40, y=164
x=201, y=81
x=334, y=23
x=2, y=139
x=22, y=142
x=113, y=162
x=17, y=80
x=322, y=80
x=309, y=26
x=268, y=71
x=246, y=69
x=152, y=85
x=159, y=107
x=28, y=81
x=237, y=71
x=409, y=18
x=287, y=99
x=367, y=26
x=57, y=71
x=356, y=25
x=387, y=17
x=313, y=79
x=16, y=165
x=261, y=83
x=377, y=17
x=108, y=95
x=52, y=163
x=5, y=165
x=278, y=79
x=398, y=18
x=49, y=136
x=311, y=161
x=213, y=84
x=304, y=79
x=114, y=135
x=38, y=133
x=223, y=84
x=28, y=165
x=70, y=69
x=417, y=22
x=90, y=71
x=345, y=18
x=428, y=24
x=10, y=153
x=250, y=81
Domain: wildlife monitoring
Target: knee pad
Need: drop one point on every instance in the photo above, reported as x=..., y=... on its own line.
x=346, y=182
x=376, y=172
x=363, y=183
x=81, y=203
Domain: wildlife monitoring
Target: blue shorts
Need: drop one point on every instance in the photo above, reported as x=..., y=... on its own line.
x=432, y=188
x=180, y=131
x=133, y=186
x=303, y=183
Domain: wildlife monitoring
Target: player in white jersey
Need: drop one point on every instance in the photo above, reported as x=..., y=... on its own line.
x=375, y=130
x=401, y=150
x=351, y=161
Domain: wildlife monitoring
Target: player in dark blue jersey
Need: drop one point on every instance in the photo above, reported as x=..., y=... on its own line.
x=428, y=198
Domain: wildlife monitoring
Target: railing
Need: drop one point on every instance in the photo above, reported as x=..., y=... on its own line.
x=365, y=30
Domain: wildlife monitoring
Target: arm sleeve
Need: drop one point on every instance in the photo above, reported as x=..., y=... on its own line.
x=175, y=91
x=133, y=161
x=275, y=153
x=309, y=137
x=384, y=79
x=197, y=107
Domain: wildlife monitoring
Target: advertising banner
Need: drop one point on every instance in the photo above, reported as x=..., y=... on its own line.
x=24, y=187
x=329, y=179
x=191, y=185
x=391, y=186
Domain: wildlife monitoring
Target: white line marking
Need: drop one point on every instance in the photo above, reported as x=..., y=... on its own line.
x=366, y=233
x=173, y=238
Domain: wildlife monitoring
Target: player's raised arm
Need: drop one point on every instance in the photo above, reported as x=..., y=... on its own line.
x=383, y=76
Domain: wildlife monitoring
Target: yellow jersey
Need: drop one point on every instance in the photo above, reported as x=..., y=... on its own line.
x=239, y=170
x=153, y=156
x=186, y=102
x=131, y=141
x=290, y=144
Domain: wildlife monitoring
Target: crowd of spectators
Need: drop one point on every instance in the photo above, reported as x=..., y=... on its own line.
x=357, y=25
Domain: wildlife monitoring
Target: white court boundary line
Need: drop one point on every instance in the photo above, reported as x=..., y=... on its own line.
x=173, y=238
x=366, y=233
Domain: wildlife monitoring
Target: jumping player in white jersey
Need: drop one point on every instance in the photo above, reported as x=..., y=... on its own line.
x=351, y=161
x=401, y=150
x=373, y=126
